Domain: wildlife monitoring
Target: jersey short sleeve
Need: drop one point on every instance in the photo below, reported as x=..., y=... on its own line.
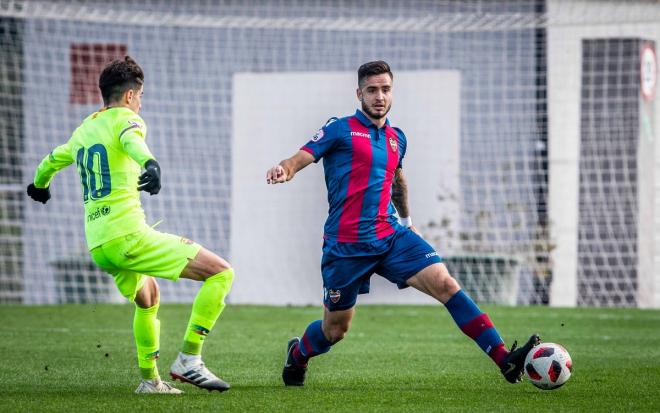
x=324, y=141
x=403, y=145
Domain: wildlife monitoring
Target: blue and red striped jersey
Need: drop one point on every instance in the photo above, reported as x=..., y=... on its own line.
x=359, y=162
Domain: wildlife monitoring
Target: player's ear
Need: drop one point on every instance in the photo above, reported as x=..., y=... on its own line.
x=129, y=95
x=358, y=92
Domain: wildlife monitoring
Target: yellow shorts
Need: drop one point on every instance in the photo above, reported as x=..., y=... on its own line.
x=145, y=252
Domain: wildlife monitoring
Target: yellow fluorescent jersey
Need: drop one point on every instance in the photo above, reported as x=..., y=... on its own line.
x=109, y=151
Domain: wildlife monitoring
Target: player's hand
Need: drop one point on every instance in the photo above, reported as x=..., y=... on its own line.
x=149, y=181
x=38, y=194
x=276, y=175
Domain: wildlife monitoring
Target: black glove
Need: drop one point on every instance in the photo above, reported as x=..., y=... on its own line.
x=38, y=194
x=150, y=180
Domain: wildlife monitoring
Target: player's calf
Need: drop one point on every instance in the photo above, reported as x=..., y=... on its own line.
x=436, y=281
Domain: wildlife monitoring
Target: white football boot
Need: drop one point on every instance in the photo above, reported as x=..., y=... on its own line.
x=192, y=370
x=156, y=387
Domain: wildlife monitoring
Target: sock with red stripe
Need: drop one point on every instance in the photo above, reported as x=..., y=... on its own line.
x=477, y=326
x=312, y=343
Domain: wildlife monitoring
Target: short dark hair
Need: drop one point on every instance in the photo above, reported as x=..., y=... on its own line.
x=373, y=68
x=119, y=76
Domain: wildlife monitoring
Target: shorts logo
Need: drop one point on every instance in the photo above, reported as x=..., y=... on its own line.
x=393, y=144
x=186, y=241
x=431, y=254
x=318, y=135
x=334, y=296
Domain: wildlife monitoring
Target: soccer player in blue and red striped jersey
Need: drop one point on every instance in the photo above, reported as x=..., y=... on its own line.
x=362, y=160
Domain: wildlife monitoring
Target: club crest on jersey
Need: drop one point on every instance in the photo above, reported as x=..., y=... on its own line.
x=393, y=144
x=318, y=135
x=334, y=296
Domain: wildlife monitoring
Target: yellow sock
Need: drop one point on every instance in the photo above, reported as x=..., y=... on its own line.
x=208, y=305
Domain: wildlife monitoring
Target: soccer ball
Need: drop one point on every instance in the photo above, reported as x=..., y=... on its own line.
x=548, y=366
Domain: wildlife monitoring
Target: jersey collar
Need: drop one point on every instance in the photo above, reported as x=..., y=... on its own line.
x=365, y=120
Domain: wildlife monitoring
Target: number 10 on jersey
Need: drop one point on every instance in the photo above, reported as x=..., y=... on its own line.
x=94, y=172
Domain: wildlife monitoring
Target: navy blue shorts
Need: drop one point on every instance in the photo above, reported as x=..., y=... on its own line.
x=347, y=267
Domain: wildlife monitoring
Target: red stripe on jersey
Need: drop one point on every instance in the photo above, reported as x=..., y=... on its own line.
x=358, y=181
x=383, y=226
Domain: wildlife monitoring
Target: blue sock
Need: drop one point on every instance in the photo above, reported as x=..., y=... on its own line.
x=312, y=343
x=476, y=325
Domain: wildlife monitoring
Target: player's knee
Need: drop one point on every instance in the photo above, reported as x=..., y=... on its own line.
x=217, y=265
x=336, y=334
x=155, y=294
x=221, y=272
x=226, y=279
x=149, y=294
x=449, y=285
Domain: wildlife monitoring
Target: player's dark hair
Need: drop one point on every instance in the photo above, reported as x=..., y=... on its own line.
x=119, y=76
x=371, y=69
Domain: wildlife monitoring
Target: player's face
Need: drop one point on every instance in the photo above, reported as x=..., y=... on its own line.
x=376, y=95
x=134, y=99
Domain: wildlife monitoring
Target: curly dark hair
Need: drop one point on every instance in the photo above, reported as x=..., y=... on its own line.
x=373, y=68
x=119, y=76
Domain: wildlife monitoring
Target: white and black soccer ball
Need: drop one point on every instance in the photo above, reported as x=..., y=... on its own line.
x=548, y=366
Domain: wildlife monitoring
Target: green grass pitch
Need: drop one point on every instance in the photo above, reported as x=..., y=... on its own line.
x=395, y=358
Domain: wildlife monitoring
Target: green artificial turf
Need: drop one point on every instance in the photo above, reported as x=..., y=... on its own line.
x=395, y=358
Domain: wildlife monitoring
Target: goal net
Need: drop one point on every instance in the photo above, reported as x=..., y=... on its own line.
x=531, y=127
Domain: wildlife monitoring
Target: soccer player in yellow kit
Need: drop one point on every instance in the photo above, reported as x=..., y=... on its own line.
x=109, y=151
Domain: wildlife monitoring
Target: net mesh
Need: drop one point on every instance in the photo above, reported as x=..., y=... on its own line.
x=51, y=54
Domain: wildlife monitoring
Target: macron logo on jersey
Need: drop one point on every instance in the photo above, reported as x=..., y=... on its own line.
x=361, y=134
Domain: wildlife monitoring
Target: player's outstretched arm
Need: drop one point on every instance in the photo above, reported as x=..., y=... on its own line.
x=58, y=159
x=286, y=170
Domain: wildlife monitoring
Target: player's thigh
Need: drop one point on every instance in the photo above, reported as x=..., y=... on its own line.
x=435, y=281
x=344, y=278
x=128, y=282
x=151, y=252
x=408, y=255
x=204, y=265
